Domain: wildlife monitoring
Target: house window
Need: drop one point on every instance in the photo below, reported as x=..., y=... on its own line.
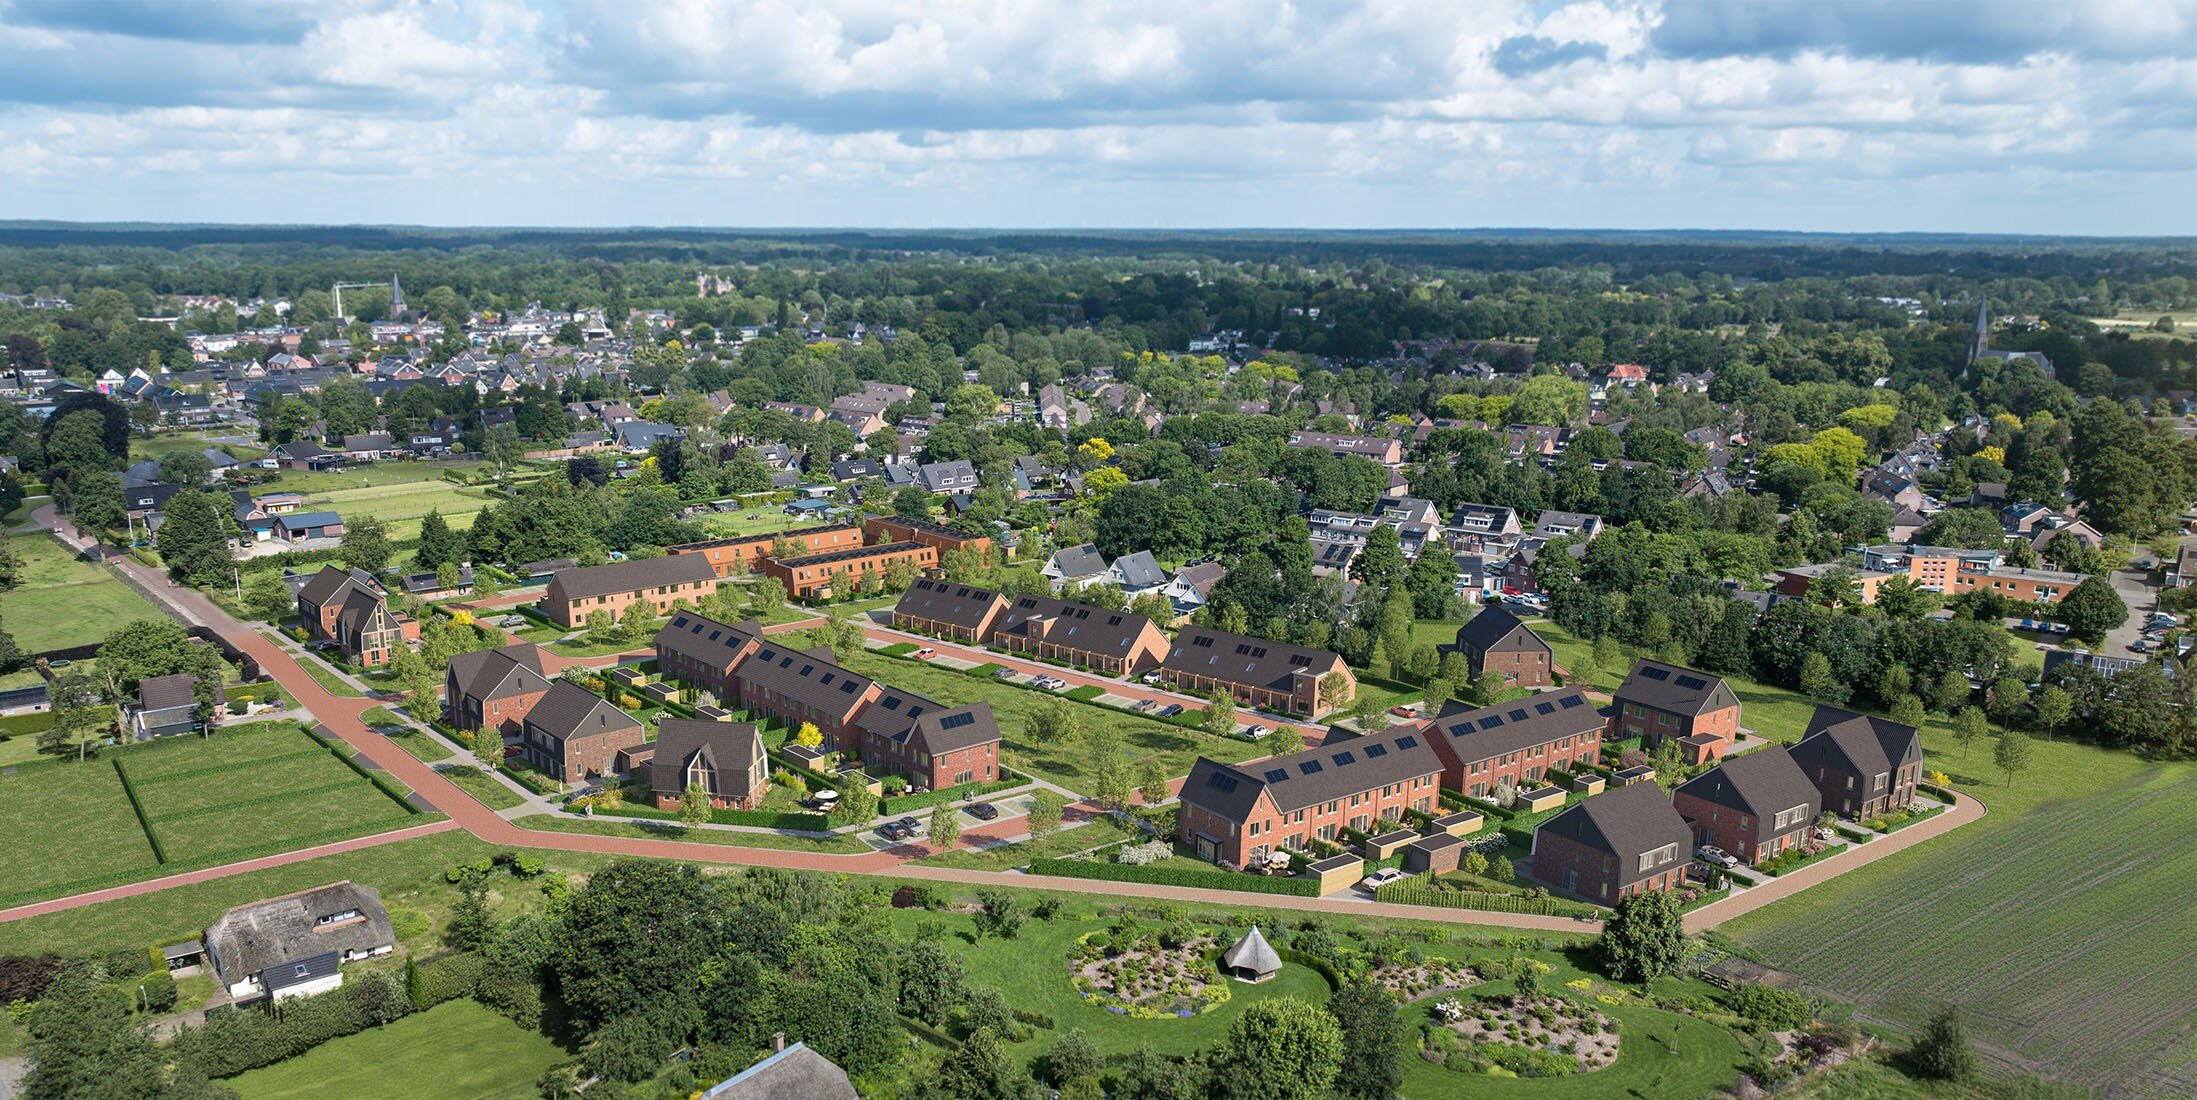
x=338, y=918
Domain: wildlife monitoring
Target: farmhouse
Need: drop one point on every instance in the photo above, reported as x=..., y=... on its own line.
x=1516, y=744
x=724, y=758
x=737, y=556
x=574, y=594
x=494, y=688
x=575, y=736
x=1269, y=675
x=1861, y=765
x=793, y=1073
x=1659, y=701
x=292, y=946
x=1117, y=643
x=1753, y=806
x=930, y=745
x=352, y=610
x=812, y=577
x=1617, y=843
x=794, y=686
x=702, y=651
x=1240, y=812
x=962, y=612
x=1496, y=640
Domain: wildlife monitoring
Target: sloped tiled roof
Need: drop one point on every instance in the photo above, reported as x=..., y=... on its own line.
x=1674, y=688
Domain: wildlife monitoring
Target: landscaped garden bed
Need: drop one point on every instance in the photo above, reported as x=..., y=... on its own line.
x=1900, y=819
x=1518, y=1036
x=1426, y=978
x=1149, y=973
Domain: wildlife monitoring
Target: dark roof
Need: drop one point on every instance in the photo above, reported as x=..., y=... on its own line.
x=631, y=575
x=499, y=673
x=1485, y=732
x=1240, y=659
x=250, y=938
x=1674, y=688
x=1868, y=744
x=765, y=537
x=1623, y=822
x=1139, y=570
x=331, y=583
x=962, y=605
x=163, y=692
x=795, y=1073
x=852, y=553
x=731, y=752
x=570, y=711
x=1078, y=626
x=807, y=678
x=906, y=717
x=704, y=639
x=1496, y=630
x=1762, y=783
x=1078, y=561
x=1313, y=776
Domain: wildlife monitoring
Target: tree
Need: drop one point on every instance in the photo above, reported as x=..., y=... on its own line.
x=1644, y=939
x=857, y=805
x=766, y=597
x=913, y=501
x=75, y=709
x=808, y=736
x=266, y=597
x=1605, y=657
x=1373, y=1042
x=365, y=544
x=194, y=538
x=1907, y=711
x=439, y=545
x=1110, y=784
x=1369, y=714
x=2054, y=707
x=185, y=468
x=2012, y=753
x=1944, y=1052
x=1548, y=399
x=945, y=826
x=603, y=969
x=1281, y=1049
x=1073, y=1058
x=502, y=448
x=1334, y=691
x=2092, y=608
x=1053, y=721
x=931, y=981
x=980, y=1069
x=488, y=747
x=844, y=636
x=1815, y=674
x=1152, y=780
x=418, y=679
x=95, y=501
x=84, y=1042
x=1046, y=808
x=1220, y=714
x=999, y=914
x=694, y=807
x=1968, y=724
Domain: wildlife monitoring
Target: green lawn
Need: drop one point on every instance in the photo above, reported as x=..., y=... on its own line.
x=1063, y=764
x=1775, y=713
x=670, y=830
x=1706, y=1060
x=58, y=602
x=455, y=1049
x=485, y=789
x=400, y=506
x=358, y=477
x=326, y=677
x=1007, y=857
x=62, y=822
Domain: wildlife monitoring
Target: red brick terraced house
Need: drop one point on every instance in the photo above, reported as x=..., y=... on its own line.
x=1117, y=643
x=1241, y=812
x=1518, y=742
x=945, y=540
x=1379, y=448
x=811, y=577
x=574, y=594
x=724, y=758
x=705, y=652
x=352, y=610
x=1496, y=640
x=946, y=609
x=930, y=745
x=1616, y=844
x=796, y=686
x=575, y=736
x=1269, y=675
x=494, y=688
x=737, y=556
x=1659, y=701
x=1861, y=765
x=1753, y=806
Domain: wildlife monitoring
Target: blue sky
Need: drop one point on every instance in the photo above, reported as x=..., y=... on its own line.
x=1917, y=115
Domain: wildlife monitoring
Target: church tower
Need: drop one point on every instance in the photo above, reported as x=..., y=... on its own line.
x=1979, y=338
x=396, y=303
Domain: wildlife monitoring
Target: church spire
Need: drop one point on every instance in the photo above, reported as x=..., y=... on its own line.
x=396, y=297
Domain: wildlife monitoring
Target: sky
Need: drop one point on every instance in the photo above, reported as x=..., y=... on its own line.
x=2003, y=116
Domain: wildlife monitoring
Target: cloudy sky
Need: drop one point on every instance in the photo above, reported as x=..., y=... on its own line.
x=2063, y=116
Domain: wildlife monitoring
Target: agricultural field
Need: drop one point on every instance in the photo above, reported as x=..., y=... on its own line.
x=400, y=507
x=64, y=822
x=59, y=602
x=456, y=1049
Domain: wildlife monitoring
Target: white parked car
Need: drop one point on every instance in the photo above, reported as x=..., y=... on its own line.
x=1381, y=878
x=1710, y=853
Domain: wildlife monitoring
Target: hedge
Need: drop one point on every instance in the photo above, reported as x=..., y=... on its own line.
x=1417, y=891
x=1008, y=779
x=899, y=649
x=1313, y=963
x=1941, y=793
x=1215, y=879
x=380, y=783
x=528, y=777
x=1085, y=694
x=233, y=1042
x=766, y=819
x=928, y=1033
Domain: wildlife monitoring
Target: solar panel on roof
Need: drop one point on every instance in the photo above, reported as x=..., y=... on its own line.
x=956, y=721
x=1309, y=767
x=1276, y=775
x=1518, y=715
x=1343, y=758
x=1570, y=701
x=1544, y=708
x=1407, y=742
x=1222, y=780
x=1374, y=752
x=1491, y=721
x=1656, y=673
x=1692, y=683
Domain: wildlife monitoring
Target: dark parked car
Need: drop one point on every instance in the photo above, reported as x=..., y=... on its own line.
x=983, y=811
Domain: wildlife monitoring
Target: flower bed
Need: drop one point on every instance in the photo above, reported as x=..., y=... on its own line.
x=1423, y=979
x=1543, y=1037
x=1154, y=975
x=1900, y=819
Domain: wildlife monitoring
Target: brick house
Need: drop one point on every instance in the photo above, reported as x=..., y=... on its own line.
x=1241, y=812
x=1117, y=643
x=737, y=556
x=1381, y=449
x=796, y=686
x=1518, y=742
x=575, y=736
x=962, y=612
x=705, y=652
x=1496, y=640
x=945, y=540
x=574, y=594
x=352, y=610
x=724, y=758
x=494, y=688
x=1616, y=844
x=810, y=578
x=1659, y=701
x=1269, y=675
x=1861, y=765
x=930, y=745
x=1754, y=806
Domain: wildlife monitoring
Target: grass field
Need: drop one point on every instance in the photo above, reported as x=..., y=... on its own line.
x=400, y=507
x=1705, y=1058
x=670, y=830
x=1063, y=764
x=1006, y=857
x=58, y=602
x=62, y=822
x=455, y=1049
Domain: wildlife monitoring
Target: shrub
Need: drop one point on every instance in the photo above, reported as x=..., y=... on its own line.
x=127, y=964
x=159, y=991
x=1138, y=855
x=1782, y=1009
x=511, y=995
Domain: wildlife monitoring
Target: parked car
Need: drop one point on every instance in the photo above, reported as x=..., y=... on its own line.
x=1150, y=678
x=2141, y=645
x=982, y=811
x=1171, y=710
x=925, y=653
x=1145, y=704
x=1381, y=878
x=1255, y=732
x=911, y=828
x=1005, y=674
x=2163, y=619
x=1403, y=712
x=893, y=831
x=1710, y=853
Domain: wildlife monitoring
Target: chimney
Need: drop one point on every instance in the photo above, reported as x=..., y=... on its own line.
x=778, y=1041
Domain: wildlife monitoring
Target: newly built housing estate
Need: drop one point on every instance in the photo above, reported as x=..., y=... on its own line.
x=575, y=594
x=1516, y=744
x=820, y=576
x=575, y=736
x=1257, y=672
x=1861, y=765
x=1613, y=844
x=1499, y=642
x=724, y=759
x=352, y=610
x=494, y=688
x=1753, y=806
x=1660, y=702
x=736, y=557
x=1241, y=812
